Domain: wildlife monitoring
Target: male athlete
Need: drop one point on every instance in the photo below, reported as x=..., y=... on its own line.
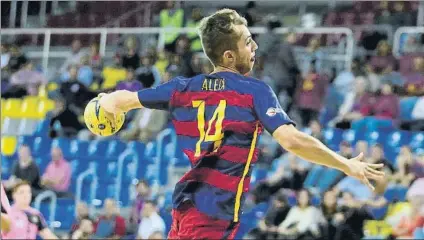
x=218, y=118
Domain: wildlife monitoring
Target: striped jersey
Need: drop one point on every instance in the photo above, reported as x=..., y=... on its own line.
x=218, y=119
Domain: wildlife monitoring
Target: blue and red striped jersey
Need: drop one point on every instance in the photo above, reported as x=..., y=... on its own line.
x=218, y=119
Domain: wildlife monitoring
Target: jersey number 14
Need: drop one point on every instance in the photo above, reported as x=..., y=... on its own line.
x=217, y=119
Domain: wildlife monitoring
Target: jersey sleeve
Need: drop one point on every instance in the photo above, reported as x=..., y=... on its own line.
x=269, y=110
x=160, y=96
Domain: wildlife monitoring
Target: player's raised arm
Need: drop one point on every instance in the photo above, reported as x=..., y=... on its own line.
x=124, y=101
x=283, y=130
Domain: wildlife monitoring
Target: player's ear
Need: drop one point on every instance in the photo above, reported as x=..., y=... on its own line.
x=229, y=56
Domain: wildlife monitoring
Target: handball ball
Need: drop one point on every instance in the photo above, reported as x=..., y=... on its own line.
x=100, y=122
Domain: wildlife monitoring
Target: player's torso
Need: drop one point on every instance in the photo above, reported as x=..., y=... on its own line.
x=217, y=129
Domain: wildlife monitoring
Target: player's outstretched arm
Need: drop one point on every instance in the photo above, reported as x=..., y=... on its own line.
x=313, y=150
x=119, y=101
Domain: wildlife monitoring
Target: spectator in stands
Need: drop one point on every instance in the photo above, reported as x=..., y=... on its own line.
x=84, y=231
x=268, y=149
x=95, y=60
x=75, y=55
x=311, y=94
x=400, y=17
x=278, y=62
x=290, y=174
x=350, y=218
x=394, y=78
x=385, y=15
x=143, y=194
x=344, y=83
x=384, y=110
x=361, y=147
x=110, y=224
x=113, y=74
x=355, y=105
x=145, y=125
x=404, y=163
x=252, y=15
x=131, y=59
x=130, y=82
x=57, y=176
x=314, y=54
x=17, y=59
x=377, y=156
x=85, y=72
x=26, y=81
x=26, y=170
x=330, y=209
x=27, y=222
x=75, y=93
x=151, y=222
x=414, y=81
x=171, y=17
x=316, y=130
x=196, y=64
x=193, y=22
x=346, y=150
x=161, y=62
x=297, y=171
x=147, y=73
x=407, y=225
x=355, y=187
x=68, y=119
x=382, y=62
x=81, y=72
x=417, y=167
x=182, y=49
x=82, y=212
x=174, y=67
x=303, y=220
x=268, y=226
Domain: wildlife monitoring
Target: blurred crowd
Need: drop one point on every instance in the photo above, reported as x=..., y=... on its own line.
x=365, y=97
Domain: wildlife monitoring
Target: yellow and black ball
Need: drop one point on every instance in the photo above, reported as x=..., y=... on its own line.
x=99, y=121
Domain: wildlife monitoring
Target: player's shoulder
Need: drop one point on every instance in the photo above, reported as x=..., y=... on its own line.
x=255, y=86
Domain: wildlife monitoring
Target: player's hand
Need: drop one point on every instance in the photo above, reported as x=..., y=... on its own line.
x=107, y=102
x=364, y=171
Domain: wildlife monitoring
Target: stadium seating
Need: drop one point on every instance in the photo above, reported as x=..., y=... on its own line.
x=8, y=145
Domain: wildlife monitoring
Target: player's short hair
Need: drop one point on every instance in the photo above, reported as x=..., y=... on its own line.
x=217, y=33
x=20, y=184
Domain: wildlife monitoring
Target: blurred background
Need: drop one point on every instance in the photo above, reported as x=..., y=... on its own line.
x=350, y=73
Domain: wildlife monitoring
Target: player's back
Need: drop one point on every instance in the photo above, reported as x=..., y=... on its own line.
x=217, y=122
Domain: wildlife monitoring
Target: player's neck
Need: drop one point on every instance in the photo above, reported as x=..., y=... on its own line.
x=220, y=68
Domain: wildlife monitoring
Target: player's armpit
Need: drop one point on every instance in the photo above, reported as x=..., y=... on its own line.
x=308, y=148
